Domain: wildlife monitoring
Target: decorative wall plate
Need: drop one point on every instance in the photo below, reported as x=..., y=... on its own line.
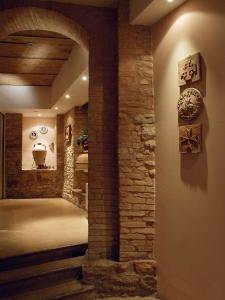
x=33, y=135
x=190, y=104
x=43, y=129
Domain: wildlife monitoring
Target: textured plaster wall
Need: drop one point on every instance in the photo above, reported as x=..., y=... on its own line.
x=190, y=189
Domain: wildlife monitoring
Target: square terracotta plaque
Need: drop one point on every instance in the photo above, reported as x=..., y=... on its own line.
x=189, y=69
x=190, y=138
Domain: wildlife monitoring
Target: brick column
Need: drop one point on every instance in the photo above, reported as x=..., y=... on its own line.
x=136, y=139
x=103, y=162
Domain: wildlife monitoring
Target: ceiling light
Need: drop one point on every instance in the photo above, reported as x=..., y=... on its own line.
x=39, y=115
x=56, y=108
x=67, y=96
x=169, y=0
x=84, y=78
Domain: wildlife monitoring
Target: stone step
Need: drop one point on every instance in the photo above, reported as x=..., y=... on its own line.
x=130, y=298
x=70, y=290
x=39, y=276
x=29, y=259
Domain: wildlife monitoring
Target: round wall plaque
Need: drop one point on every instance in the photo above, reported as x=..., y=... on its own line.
x=33, y=135
x=43, y=129
x=190, y=104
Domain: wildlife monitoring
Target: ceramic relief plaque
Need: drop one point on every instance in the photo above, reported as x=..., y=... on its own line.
x=190, y=104
x=189, y=69
x=190, y=138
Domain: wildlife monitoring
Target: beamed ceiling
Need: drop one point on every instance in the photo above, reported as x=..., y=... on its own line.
x=33, y=57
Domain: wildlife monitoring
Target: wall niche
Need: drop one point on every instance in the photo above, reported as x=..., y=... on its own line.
x=39, y=149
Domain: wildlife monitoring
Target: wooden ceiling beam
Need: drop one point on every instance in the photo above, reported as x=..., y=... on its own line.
x=29, y=65
x=38, y=40
x=26, y=79
x=39, y=51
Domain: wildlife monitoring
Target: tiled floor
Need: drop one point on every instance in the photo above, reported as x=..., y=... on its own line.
x=32, y=225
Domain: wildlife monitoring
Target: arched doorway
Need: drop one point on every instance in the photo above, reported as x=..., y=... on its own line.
x=103, y=186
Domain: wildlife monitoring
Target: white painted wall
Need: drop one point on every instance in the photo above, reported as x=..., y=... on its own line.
x=70, y=72
x=30, y=124
x=24, y=97
x=190, y=188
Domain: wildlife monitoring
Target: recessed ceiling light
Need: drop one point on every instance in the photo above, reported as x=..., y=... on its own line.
x=56, y=108
x=169, y=0
x=67, y=96
x=39, y=115
x=84, y=78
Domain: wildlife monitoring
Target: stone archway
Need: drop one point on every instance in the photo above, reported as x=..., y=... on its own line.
x=34, y=18
x=102, y=119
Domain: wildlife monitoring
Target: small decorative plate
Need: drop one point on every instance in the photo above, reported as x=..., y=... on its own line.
x=44, y=129
x=33, y=135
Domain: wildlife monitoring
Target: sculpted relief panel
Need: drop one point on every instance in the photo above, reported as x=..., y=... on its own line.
x=189, y=69
x=190, y=104
x=190, y=138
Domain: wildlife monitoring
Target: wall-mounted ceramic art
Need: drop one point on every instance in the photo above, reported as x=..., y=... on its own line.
x=52, y=146
x=43, y=129
x=33, y=135
x=190, y=138
x=189, y=69
x=190, y=104
x=68, y=133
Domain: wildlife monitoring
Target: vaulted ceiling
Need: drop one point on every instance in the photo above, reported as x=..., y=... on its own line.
x=33, y=57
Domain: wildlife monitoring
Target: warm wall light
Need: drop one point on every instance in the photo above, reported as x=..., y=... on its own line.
x=84, y=78
x=169, y=0
x=39, y=115
x=56, y=108
x=67, y=96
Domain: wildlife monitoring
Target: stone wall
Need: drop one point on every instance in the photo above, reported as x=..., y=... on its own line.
x=30, y=183
x=136, y=139
x=119, y=279
x=78, y=119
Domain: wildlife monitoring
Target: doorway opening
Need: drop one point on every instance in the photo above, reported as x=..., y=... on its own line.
x=44, y=97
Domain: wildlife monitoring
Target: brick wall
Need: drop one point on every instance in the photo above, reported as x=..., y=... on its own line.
x=136, y=139
x=78, y=119
x=30, y=184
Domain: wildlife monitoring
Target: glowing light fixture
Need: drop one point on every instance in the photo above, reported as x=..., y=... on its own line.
x=84, y=78
x=56, y=108
x=169, y=0
x=67, y=96
x=39, y=115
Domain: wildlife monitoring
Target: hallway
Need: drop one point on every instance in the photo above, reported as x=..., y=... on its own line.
x=33, y=225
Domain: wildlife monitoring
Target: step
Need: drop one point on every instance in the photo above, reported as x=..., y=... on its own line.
x=67, y=291
x=40, y=275
x=42, y=257
x=130, y=298
x=40, y=269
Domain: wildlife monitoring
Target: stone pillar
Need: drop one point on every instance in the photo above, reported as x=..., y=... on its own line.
x=136, y=139
x=78, y=119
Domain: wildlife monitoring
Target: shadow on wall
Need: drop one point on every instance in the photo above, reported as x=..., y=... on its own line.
x=191, y=164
